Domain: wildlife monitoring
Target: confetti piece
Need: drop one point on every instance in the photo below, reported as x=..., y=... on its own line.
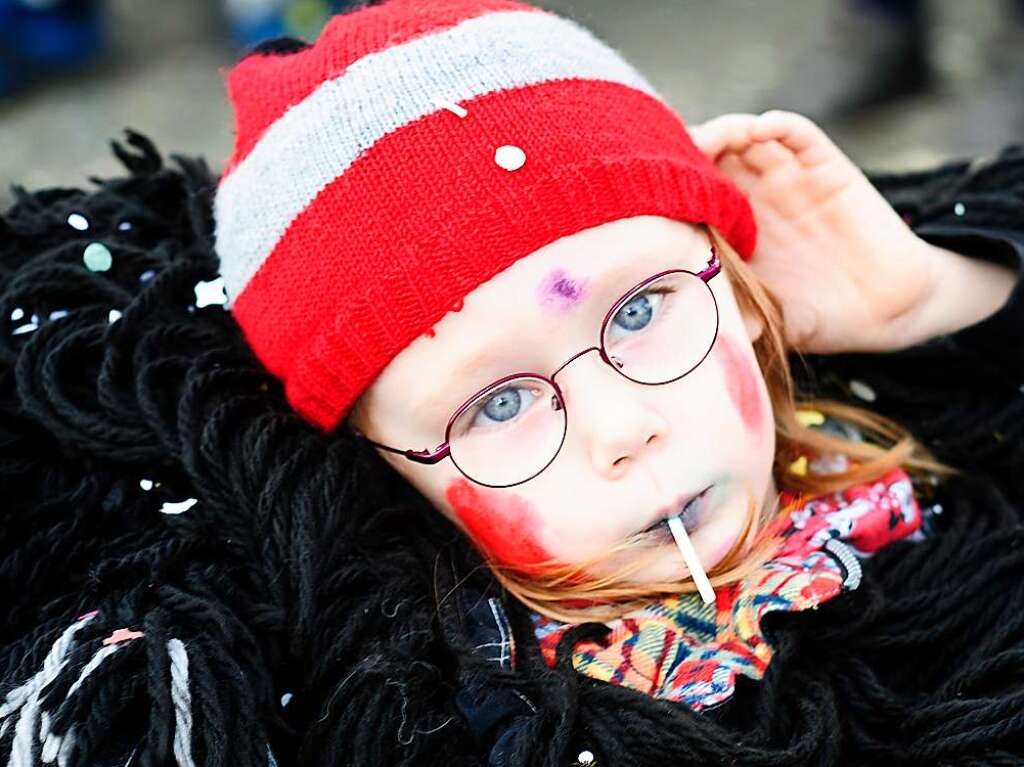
x=810, y=417
x=122, y=635
x=510, y=157
x=90, y=614
x=799, y=466
x=97, y=257
x=211, y=292
x=78, y=221
x=170, y=507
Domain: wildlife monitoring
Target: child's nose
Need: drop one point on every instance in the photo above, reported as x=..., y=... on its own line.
x=609, y=416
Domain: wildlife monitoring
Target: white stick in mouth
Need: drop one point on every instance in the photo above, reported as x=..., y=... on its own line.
x=707, y=592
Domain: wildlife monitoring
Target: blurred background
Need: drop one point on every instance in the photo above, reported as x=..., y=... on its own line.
x=899, y=84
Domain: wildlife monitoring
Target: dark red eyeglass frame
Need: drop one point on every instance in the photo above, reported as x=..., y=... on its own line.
x=443, y=450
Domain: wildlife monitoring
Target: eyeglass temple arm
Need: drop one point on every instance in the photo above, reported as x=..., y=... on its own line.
x=714, y=265
x=436, y=455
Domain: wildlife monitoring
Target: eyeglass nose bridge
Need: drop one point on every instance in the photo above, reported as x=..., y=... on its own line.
x=558, y=401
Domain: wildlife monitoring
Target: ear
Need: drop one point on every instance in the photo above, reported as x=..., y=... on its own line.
x=754, y=324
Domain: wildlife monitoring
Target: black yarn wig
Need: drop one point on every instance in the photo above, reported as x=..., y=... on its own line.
x=103, y=422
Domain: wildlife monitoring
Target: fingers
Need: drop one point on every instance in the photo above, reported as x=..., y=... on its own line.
x=798, y=133
x=745, y=176
x=765, y=141
x=725, y=133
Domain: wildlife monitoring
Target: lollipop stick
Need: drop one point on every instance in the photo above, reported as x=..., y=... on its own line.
x=675, y=524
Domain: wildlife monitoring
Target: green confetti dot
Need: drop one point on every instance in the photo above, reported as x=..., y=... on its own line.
x=97, y=257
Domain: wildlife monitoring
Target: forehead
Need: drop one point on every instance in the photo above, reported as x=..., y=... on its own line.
x=590, y=253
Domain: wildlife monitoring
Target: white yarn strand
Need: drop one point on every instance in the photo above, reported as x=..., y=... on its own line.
x=182, y=703
x=59, y=747
x=26, y=697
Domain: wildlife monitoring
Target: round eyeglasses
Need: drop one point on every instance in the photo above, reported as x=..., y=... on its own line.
x=507, y=433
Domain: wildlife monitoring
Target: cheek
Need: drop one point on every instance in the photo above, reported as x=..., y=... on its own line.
x=504, y=525
x=741, y=382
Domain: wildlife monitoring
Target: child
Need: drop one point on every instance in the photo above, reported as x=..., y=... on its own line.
x=499, y=325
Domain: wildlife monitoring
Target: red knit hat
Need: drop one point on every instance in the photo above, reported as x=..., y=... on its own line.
x=415, y=151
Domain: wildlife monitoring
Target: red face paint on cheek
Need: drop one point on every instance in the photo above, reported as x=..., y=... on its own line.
x=740, y=382
x=504, y=525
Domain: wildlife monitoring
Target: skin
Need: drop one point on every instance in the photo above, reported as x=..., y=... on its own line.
x=877, y=286
x=741, y=382
x=560, y=292
x=630, y=449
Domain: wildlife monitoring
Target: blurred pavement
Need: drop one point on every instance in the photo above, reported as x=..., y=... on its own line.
x=162, y=77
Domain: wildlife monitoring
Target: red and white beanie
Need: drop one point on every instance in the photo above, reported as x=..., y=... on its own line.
x=415, y=150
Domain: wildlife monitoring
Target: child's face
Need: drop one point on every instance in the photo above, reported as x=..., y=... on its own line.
x=630, y=448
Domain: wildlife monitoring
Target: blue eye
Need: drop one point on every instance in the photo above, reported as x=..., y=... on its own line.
x=503, y=406
x=637, y=313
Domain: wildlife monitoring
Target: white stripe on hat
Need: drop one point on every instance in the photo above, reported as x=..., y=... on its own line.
x=317, y=139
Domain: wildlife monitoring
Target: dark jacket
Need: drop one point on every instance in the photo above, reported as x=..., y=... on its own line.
x=920, y=664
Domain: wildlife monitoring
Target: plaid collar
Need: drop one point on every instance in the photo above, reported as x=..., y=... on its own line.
x=681, y=649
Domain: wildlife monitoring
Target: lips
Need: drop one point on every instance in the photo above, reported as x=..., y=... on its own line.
x=692, y=517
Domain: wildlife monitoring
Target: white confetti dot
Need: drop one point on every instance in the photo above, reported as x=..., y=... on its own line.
x=959, y=209
x=18, y=313
x=510, y=157
x=211, y=292
x=170, y=507
x=585, y=757
x=862, y=390
x=24, y=329
x=147, y=275
x=78, y=221
x=286, y=699
x=124, y=226
x=113, y=316
x=97, y=257
x=56, y=314
x=146, y=484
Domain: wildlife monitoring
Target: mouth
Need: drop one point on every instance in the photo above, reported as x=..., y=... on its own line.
x=692, y=513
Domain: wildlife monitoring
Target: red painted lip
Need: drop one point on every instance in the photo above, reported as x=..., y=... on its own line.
x=672, y=509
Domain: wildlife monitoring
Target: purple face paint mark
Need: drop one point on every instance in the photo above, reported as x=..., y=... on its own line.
x=559, y=291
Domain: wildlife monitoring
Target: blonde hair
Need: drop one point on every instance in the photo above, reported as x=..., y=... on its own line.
x=547, y=586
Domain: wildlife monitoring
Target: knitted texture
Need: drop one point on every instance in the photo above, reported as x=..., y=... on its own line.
x=415, y=151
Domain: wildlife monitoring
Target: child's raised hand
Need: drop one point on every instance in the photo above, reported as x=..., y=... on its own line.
x=843, y=263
